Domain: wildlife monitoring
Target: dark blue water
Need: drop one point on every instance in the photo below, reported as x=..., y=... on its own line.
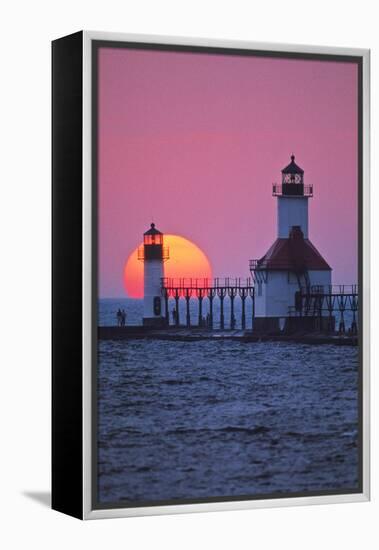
x=189, y=420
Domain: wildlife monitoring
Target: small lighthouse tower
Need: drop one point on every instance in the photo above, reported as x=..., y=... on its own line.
x=292, y=263
x=153, y=254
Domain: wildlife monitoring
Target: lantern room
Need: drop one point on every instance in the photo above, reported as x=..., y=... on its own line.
x=153, y=236
x=292, y=173
x=153, y=248
x=292, y=182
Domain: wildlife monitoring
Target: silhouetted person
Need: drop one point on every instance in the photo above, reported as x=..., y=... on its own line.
x=119, y=317
x=123, y=318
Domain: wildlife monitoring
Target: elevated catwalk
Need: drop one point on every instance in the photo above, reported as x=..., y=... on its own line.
x=220, y=288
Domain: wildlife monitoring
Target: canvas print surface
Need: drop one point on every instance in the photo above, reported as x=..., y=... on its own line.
x=227, y=360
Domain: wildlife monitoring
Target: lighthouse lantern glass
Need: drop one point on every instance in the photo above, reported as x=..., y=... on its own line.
x=293, y=178
x=156, y=239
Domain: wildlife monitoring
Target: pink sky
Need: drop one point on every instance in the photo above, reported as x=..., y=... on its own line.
x=194, y=142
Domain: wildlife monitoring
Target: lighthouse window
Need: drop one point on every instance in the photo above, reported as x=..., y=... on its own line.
x=259, y=289
x=153, y=239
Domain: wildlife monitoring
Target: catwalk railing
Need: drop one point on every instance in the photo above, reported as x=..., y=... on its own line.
x=338, y=303
x=210, y=289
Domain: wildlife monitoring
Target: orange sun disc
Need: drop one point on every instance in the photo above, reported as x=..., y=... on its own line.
x=186, y=259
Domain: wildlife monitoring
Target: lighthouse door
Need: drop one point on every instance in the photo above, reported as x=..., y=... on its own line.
x=157, y=305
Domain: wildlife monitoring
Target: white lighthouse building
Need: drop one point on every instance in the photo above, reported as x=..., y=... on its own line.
x=292, y=264
x=153, y=254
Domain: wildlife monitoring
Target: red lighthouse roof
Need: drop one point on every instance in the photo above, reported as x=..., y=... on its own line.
x=293, y=254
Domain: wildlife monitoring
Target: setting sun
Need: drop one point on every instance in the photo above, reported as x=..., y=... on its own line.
x=186, y=260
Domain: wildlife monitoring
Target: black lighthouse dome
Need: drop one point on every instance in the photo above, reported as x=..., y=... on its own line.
x=153, y=230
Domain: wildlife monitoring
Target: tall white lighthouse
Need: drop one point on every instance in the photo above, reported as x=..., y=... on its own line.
x=292, y=264
x=153, y=254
